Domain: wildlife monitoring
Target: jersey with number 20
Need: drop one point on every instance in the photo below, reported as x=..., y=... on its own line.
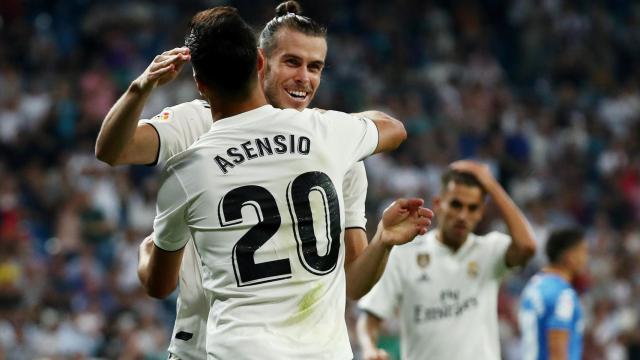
x=261, y=196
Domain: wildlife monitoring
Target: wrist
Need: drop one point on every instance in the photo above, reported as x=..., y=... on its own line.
x=140, y=87
x=384, y=242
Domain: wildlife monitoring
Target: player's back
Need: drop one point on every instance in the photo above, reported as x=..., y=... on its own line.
x=549, y=302
x=264, y=207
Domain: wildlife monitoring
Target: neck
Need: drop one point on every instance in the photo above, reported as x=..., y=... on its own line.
x=224, y=109
x=560, y=271
x=452, y=245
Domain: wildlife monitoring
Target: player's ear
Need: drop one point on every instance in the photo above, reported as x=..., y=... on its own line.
x=202, y=87
x=261, y=64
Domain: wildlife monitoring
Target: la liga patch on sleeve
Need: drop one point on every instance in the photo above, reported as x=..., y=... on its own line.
x=164, y=115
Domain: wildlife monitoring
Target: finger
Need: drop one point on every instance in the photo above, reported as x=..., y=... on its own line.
x=183, y=60
x=394, y=204
x=410, y=204
x=424, y=212
x=414, y=204
x=158, y=73
x=167, y=60
x=423, y=222
x=401, y=203
x=178, y=50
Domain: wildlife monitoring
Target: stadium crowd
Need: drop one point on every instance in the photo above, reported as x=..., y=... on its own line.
x=546, y=92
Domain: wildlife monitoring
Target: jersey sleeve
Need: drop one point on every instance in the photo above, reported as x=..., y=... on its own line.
x=352, y=139
x=178, y=127
x=170, y=226
x=354, y=192
x=500, y=243
x=385, y=296
x=562, y=309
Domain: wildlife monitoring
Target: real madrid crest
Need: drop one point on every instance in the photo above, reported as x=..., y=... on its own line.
x=473, y=269
x=423, y=260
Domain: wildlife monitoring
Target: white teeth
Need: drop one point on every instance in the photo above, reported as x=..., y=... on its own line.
x=298, y=93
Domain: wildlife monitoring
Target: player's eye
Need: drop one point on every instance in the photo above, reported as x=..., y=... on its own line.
x=456, y=204
x=315, y=68
x=292, y=62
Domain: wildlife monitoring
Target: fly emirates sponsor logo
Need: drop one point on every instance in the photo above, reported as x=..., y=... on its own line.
x=451, y=305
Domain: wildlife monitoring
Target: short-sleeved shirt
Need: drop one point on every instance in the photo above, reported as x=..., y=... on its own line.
x=178, y=127
x=260, y=195
x=549, y=302
x=447, y=301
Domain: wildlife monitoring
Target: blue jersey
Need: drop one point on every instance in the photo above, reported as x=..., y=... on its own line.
x=548, y=302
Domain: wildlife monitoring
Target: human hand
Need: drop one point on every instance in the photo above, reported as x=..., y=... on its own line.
x=375, y=354
x=403, y=220
x=479, y=170
x=163, y=69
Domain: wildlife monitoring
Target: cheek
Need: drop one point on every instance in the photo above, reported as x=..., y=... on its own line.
x=315, y=82
x=475, y=218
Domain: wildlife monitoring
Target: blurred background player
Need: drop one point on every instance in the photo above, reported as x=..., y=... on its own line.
x=445, y=283
x=551, y=316
x=295, y=49
x=277, y=281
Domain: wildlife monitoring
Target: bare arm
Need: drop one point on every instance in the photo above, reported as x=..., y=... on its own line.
x=401, y=223
x=558, y=343
x=391, y=132
x=358, y=283
x=368, y=330
x=121, y=140
x=355, y=242
x=523, y=245
x=158, y=270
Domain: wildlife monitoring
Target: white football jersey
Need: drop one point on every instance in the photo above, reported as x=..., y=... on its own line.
x=178, y=127
x=447, y=301
x=258, y=195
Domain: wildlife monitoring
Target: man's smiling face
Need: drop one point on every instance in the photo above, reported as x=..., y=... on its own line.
x=292, y=71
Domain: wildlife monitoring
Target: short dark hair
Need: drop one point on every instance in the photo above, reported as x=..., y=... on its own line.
x=223, y=51
x=288, y=16
x=562, y=240
x=459, y=177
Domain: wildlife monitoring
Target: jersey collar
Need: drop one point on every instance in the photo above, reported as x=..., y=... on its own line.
x=445, y=250
x=256, y=114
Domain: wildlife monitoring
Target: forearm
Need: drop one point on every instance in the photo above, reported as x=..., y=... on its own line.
x=558, y=355
x=119, y=126
x=158, y=270
x=144, y=255
x=366, y=269
x=391, y=131
x=372, y=115
x=557, y=344
x=368, y=330
x=523, y=244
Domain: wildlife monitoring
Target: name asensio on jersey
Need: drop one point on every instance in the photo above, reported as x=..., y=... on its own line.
x=252, y=149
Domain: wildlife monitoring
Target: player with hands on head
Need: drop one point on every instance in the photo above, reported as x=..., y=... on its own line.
x=445, y=283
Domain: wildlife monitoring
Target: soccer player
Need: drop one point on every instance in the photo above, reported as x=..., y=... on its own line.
x=257, y=195
x=445, y=283
x=295, y=50
x=550, y=316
